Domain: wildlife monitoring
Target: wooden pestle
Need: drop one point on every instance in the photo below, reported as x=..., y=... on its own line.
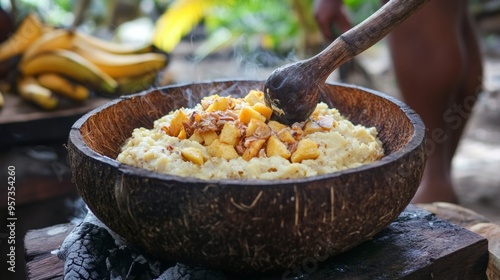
x=292, y=91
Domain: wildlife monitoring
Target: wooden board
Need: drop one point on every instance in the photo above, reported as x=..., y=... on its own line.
x=22, y=122
x=417, y=245
x=474, y=222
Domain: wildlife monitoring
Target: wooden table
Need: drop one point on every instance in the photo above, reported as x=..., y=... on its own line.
x=418, y=245
x=22, y=122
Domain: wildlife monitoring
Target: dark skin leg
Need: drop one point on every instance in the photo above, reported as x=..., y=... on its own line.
x=472, y=83
x=438, y=67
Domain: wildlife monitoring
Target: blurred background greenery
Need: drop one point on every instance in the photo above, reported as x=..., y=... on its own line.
x=281, y=27
x=278, y=26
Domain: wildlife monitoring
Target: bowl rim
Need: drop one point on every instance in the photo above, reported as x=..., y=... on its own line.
x=414, y=142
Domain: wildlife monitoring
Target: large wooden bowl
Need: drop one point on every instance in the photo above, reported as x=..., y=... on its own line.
x=245, y=225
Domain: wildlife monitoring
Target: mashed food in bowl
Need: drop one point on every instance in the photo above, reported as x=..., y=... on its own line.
x=234, y=138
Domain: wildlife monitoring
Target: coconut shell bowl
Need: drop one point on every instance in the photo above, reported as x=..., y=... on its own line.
x=245, y=225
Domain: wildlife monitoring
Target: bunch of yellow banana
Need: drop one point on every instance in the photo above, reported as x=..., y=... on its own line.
x=70, y=63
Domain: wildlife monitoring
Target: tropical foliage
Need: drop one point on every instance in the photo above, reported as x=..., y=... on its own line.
x=278, y=26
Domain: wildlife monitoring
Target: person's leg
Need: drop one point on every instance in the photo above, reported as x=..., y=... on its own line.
x=471, y=85
x=430, y=59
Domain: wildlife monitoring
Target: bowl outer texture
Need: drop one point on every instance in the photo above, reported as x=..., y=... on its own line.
x=245, y=225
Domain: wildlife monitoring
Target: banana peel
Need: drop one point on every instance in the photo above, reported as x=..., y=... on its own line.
x=29, y=89
x=49, y=41
x=72, y=65
x=64, y=87
x=74, y=40
x=130, y=85
x=29, y=30
x=123, y=65
x=82, y=39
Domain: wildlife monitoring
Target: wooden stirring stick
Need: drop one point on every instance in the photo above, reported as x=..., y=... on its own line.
x=292, y=91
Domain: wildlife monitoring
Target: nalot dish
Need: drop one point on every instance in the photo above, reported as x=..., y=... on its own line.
x=242, y=225
x=223, y=137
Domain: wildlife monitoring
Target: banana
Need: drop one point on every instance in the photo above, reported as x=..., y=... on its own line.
x=129, y=85
x=28, y=31
x=71, y=65
x=52, y=40
x=29, y=89
x=2, y=100
x=111, y=47
x=63, y=86
x=67, y=39
x=123, y=65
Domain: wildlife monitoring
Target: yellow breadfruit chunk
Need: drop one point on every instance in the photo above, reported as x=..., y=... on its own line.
x=222, y=150
x=193, y=155
x=253, y=150
x=208, y=100
x=182, y=134
x=285, y=135
x=254, y=96
x=219, y=104
x=277, y=148
x=258, y=128
x=247, y=113
x=312, y=127
x=196, y=136
x=176, y=123
x=276, y=126
x=209, y=137
x=306, y=149
x=230, y=134
x=263, y=110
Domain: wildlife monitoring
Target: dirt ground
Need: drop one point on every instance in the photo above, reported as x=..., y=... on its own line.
x=477, y=161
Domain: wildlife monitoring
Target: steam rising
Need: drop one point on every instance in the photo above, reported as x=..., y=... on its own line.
x=233, y=64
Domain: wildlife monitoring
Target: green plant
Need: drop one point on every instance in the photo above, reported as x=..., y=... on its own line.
x=279, y=26
x=361, y=9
